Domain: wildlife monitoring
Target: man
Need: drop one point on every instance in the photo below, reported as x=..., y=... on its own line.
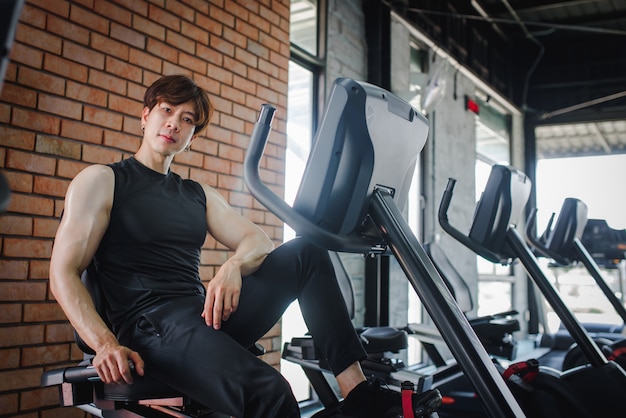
x=143, y=226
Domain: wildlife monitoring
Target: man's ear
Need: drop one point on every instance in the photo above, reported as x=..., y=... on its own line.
x=144, y=114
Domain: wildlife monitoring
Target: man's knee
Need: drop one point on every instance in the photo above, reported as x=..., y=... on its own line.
x=306, y=251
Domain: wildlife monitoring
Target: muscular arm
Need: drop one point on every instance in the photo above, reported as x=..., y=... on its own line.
x=85, y=219
x=250, y=245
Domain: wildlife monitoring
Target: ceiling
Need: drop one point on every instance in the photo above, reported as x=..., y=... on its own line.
x=562, y=62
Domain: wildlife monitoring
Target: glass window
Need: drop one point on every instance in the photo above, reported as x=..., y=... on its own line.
x=493, y=138
x=305, y=69
x=299, y=136
x=303, y=26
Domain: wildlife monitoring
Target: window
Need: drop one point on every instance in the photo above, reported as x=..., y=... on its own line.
x=299, y=135
x=305, y=71
x=303, y=30
x=493, y=138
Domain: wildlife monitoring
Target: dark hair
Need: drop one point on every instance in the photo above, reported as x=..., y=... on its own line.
x=179, y=89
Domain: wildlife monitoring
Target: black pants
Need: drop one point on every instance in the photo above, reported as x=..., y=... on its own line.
x=215, y=367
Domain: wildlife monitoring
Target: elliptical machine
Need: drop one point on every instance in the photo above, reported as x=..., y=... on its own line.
x=564, y=245
x=598, y=387
x=354, y=184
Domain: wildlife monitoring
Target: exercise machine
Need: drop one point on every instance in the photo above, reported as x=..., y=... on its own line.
x=601, y=384
x=80, y=386
x=354, y=184
x=563, y=244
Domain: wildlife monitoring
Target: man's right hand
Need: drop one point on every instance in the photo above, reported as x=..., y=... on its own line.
x=113, y=364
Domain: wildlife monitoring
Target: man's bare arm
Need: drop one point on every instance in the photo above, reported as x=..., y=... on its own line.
x=250, y=245
x=85, y=219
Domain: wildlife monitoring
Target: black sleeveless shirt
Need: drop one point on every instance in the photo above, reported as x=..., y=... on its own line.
x=151, y=249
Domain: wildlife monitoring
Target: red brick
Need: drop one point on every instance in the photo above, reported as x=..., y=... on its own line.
x=10, y=313
x=20, y=335
x=199, y=34
x=16, y=138
x=49, y=354
x=231, y=123
x=189, y=158
x=69, y=169
x=109, y=46
x=102, y=118
x=200, y=5
x=33, y=16
x=86, y=94
x=35, y=398
x=229, y=182
x=38, y=39
x=142, y=59
x=192, y=63
x=89, y=20
x=204, y=176
x=162, y=50
x=56, y=333
x=213, y=26
x=100, y=155
x=30, y=162
x=179, y=9
x=20, y=379
x=13, y=269
x=26, y=55
x=115, y=13
x=164, y=17
x=124, y=105
x=233, y=95
x=15, y=225
x=220, y=74
x=108, y=82
x=237, y=38
x=247, y=31
x=66, y=68
x=136, y=91
x=59, y=106
x=58, y=7
x=75, y=130
x=39, y=312
x=149, y=28
x=10, y=358
x=67, y=30
x=222, y=16
x=83, y=55
x=57, y=146
x=169, y=68
x=222, y=46
x=40, y=269
x=19, y=182
x=216, y=164
x=18, y=95
x=132, y=129
x=128, y=36
x=242, y=200
x=50, y=186
x=35, y=121
x=270, y=96
x=41, y=81
x=27, y=248
x=8, y=403
x=122, y=141
x=262, y=22
x=32, y=205
x=180, y=42
x=5, y=113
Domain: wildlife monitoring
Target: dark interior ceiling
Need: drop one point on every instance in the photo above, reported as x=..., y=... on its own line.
x=562, y=62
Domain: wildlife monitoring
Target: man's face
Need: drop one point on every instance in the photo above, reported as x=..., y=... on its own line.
x=169, y=128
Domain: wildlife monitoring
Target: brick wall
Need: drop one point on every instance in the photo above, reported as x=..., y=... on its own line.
x=72, y=97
